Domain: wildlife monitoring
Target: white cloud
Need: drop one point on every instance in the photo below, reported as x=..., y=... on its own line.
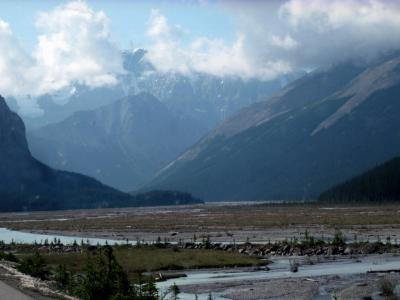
x=331, y=31
x=286, y=42
x=276, y=37
x=158, y=27
x=14, y=62
x=74, y=47
x=170, y=52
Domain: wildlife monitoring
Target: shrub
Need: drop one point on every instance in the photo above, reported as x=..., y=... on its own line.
x=387, y=288
x=338, y=239
x=62, y=276
x=8, y=256
x=294, y=266
x=34, y=266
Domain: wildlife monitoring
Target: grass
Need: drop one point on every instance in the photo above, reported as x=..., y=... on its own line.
x=149, y=259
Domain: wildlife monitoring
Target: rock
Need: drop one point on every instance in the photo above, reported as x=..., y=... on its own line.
x=348, y=251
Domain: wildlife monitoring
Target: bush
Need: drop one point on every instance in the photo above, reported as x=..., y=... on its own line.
x=8, y=256
x=338, y=239
x=387, y=288
x=62, y=276
x=294, y=266
x=34, y=266
x=105, y=279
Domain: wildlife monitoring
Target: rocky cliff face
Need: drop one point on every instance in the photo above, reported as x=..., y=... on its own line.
x=27, y=184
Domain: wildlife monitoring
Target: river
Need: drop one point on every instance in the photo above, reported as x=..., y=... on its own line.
x=9, y=236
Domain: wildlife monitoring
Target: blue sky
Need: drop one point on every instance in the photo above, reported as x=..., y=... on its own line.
x=128, y=18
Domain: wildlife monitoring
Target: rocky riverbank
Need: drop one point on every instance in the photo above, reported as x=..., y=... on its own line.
x=300, y=249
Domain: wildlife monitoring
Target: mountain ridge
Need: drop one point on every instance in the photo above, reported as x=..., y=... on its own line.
x=280, y=157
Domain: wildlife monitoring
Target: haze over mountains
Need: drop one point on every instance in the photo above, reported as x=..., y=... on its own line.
x=124, y=141
x=325, y=127
x=122, y=144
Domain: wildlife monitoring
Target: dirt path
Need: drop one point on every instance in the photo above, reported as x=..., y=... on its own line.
x=10, y=293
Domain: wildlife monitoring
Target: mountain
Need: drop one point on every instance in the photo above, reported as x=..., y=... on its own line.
x=205, y=98
x=121, y=144
x=321, y=129
x=58, y=107
x=379, y=184
x=27, y=184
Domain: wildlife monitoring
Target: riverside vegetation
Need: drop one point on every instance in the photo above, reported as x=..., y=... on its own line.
x=113, y=272
x=130, y=272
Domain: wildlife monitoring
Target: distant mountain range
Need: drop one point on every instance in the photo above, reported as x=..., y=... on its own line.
x=380, y=184
x=124, y=142
x=121, y=144
x=326, y=127
x=201, y=97
x=27, y=184
x=319, y=130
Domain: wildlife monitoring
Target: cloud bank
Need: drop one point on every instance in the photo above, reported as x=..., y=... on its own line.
x=169, y=52
x=74, y=47
x=277, y=37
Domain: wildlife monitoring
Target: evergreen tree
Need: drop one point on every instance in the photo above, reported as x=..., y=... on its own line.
x=62, y=276
x=34, y=266
x=175, y=291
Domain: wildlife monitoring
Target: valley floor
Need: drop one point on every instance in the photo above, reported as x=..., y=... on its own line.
x=220, y=222
x=319, y=276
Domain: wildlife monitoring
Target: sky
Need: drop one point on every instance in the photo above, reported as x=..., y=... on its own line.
x=49, y=46
x=129, y=18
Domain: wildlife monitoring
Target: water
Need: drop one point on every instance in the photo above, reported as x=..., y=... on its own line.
x=279, y=268
x=9, y=236
x=345, y=267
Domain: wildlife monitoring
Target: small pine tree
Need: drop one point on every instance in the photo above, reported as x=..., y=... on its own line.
x=175, y=291
x=62, y=276
x=34, y=266
x=149, y=290
x=338, y=239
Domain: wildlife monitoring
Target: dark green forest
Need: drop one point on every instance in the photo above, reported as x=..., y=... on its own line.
x=380, y=184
